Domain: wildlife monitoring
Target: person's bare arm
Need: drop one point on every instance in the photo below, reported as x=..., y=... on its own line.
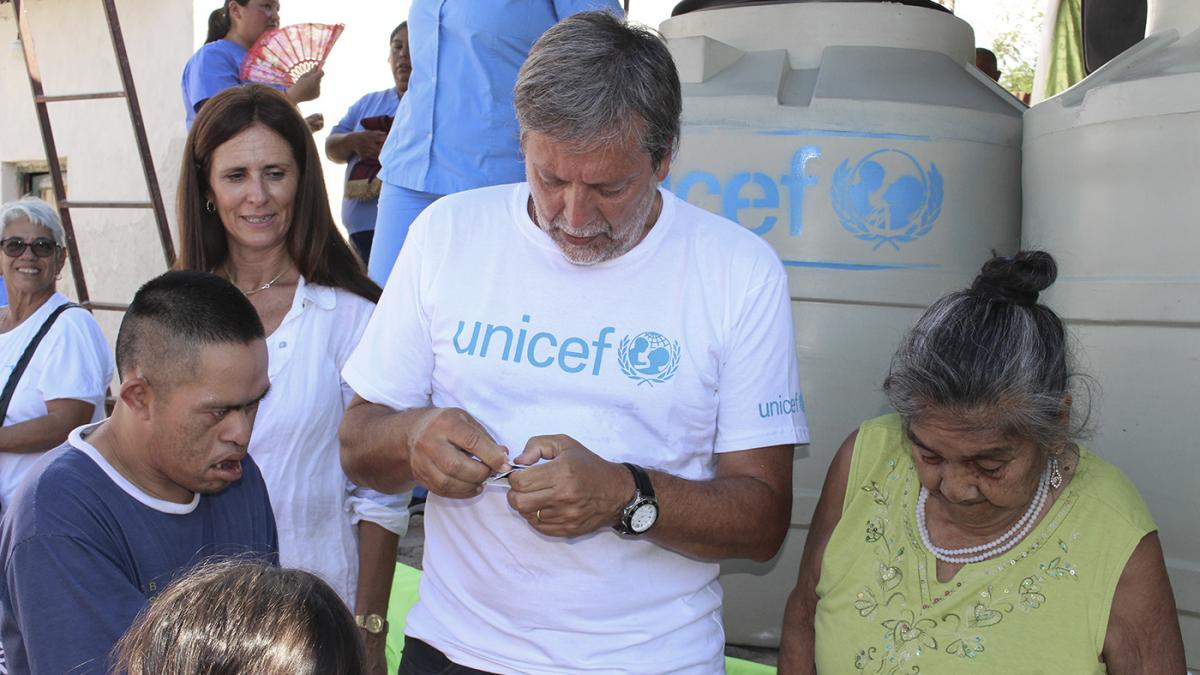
x=797, y=646
x=444, y=449
x=49, y=430
x=376, y=567
x=1143, y=629
x=742, y=512
x=366, y=144
x=306, y=88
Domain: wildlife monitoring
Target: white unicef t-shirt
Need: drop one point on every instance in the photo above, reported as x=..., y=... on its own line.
x=679, y=349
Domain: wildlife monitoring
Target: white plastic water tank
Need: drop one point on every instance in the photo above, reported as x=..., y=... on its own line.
x=859, y=139
x=1111, y=172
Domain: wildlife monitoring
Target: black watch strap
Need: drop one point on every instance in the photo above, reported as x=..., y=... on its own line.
x=640, y=480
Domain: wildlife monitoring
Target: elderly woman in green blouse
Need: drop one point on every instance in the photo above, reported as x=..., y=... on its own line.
x=968, y=533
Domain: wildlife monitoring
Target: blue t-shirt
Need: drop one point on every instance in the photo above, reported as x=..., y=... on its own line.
x=465, y=58
x=359, y=215
x=214, y=68
x=82, y=550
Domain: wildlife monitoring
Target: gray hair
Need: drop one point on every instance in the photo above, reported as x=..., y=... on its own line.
x=592, y=78
x=35, y=211
x=991, y=356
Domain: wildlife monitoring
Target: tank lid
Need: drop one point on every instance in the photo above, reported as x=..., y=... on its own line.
x=1182, y=15
x=698, y=5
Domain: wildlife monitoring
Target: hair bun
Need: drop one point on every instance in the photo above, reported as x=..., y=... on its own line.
x=1017, y=279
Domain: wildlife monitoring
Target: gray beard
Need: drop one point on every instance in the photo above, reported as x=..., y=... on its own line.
x=615, y=248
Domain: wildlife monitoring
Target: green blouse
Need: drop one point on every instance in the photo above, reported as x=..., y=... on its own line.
x=1042, y=607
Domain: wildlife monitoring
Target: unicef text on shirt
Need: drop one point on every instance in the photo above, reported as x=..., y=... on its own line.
x=646, y=357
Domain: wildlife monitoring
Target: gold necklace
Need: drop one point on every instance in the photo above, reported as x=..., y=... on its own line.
x=255, y=290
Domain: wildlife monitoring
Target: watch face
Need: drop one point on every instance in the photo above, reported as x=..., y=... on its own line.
x=643, y=517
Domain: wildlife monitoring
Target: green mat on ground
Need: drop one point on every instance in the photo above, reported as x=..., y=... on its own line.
x=404, y=595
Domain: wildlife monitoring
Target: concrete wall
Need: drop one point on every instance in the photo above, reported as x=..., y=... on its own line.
x=120, y=249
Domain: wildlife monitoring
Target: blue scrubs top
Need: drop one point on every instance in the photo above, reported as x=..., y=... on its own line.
x=359, y=215
x=212, y=69
x=465, y=59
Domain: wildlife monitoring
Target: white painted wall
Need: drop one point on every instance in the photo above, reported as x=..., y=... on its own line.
x=120, y=249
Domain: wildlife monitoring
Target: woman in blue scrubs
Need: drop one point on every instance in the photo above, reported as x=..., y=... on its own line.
x=216, y=66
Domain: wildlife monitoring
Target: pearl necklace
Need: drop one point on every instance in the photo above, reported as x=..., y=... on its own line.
x=992, y=548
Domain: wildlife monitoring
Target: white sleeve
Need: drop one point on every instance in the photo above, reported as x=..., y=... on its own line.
x=760, y=400
x=393, y=363
x=354, y=313
x=79, y=364
x=389, y=511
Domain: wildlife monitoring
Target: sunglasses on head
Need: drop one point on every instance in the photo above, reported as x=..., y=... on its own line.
x=42, y=247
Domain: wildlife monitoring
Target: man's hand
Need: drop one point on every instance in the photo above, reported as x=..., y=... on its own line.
x=575, y=493
x=451, y=453
x=367, y=143
x=315, y=122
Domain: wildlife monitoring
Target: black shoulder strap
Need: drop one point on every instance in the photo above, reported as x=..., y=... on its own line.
x=23, y=362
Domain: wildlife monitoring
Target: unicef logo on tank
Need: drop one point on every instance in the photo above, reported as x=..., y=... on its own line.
x=648, y=357
x=887, y=198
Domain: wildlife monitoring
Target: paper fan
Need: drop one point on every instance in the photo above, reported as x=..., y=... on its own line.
x=282, y=55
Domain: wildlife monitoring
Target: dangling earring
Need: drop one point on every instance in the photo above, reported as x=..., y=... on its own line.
x=210, y=206
x=1056, y=477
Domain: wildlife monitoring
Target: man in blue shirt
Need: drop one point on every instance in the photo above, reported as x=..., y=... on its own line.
x=358, y=146
x=456, y=129
x=128, y=504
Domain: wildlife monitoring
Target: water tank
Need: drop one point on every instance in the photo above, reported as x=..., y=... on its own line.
x=1110, y=187
x=861, y=142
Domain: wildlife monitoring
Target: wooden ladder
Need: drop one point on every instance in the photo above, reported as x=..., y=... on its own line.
x=127, y=92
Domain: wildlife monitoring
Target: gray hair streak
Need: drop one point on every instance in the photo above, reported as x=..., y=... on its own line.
x=592, y=78
x=992, y=357
x=35, y=211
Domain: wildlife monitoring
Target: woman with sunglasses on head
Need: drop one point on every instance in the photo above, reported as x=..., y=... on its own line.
x=232, y=31
x=63, y=381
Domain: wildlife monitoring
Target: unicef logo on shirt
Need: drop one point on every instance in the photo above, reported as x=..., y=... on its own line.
x=648, y=358
x=887, y=198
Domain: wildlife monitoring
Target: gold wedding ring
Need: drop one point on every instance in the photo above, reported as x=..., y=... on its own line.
x=538, y=515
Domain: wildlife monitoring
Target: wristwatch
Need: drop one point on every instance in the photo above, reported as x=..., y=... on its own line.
x=642, y=512
x=372, y=623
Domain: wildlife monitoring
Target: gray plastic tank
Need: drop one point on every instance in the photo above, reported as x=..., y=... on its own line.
x=859, y=139
x=1111, y=172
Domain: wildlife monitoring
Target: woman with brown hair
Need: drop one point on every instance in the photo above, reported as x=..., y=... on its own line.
x=242, y=616
x=253, y=208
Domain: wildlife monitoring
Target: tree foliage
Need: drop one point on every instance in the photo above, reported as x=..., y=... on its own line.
x=1016, y=49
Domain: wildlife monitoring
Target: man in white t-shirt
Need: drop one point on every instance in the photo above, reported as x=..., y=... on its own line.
x=637, y=350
